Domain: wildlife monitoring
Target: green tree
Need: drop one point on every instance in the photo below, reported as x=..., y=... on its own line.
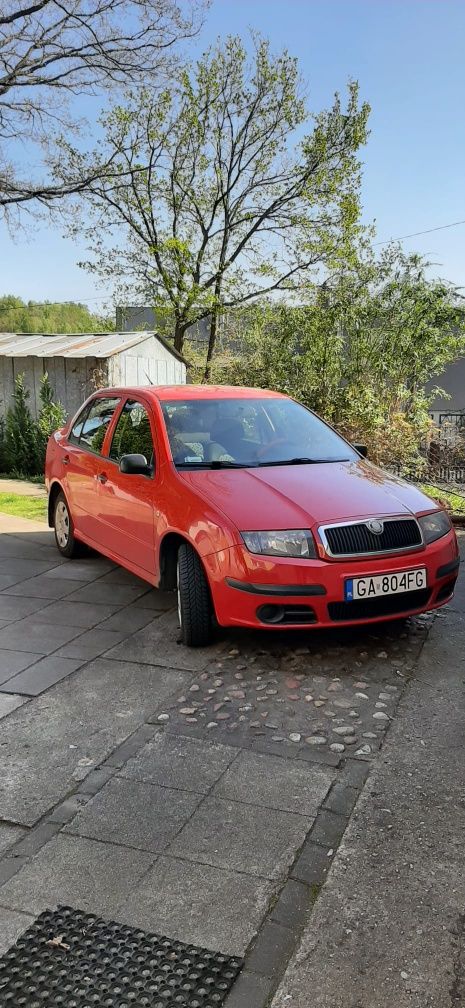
x=360, y=352
x=50, y=52
x=51, y=417
x=17, y=315
x=20, y=444
x=222, y=196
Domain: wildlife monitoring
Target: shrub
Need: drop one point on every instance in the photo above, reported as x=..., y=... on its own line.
x=20, y=446
x=51, y=416
x=23, y=440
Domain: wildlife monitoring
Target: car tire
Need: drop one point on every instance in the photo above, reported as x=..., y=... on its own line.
x=63, y=526
x=194, y=604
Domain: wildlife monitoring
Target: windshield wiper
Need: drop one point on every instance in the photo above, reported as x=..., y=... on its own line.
x=215, y=464
x=226, y=464
x=300, y=460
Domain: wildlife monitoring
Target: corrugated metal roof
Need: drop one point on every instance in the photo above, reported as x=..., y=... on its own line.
x=73, y=344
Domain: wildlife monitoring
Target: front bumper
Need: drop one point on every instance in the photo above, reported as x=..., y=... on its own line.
x=280, y=593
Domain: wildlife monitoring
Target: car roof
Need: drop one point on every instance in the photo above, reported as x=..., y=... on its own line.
x=185, y=392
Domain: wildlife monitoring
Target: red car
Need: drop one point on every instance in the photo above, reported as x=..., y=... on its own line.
x=258, y=512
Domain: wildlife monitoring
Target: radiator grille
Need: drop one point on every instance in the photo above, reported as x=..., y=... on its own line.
x=357, y=539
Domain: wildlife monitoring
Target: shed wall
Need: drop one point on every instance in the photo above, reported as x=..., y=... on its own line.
x=75, y=378
x=148, y=363
x=72, y=379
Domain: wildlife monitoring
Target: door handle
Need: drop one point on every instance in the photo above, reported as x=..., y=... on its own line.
x=102, y=477
x=65, y=460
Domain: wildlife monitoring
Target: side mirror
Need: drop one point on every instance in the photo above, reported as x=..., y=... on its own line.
x=135, y=465
x=362, y=449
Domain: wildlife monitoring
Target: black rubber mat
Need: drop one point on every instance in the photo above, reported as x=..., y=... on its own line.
x=69, y=959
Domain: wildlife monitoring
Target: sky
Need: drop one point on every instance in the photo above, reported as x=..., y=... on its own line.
x=408, y=56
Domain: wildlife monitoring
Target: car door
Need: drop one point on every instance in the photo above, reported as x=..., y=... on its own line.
x=82, y=464
x=127, y=500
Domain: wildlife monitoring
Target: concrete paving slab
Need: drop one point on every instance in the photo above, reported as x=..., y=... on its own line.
x=42, y=638
x=26, y=547
x=159, y=643
x=93, y=643
x=156, y=599
x=84, y=874
x=12, y=662
x=130, y=619
x=43, y=587
x=87, y=569
x=9, y=835
x=59, y=737
x=78, y=614
x=275, y=782
x=12, y=925
x=220, y=910
x=230, y=835
x=14, y=608
x=20, y=568
x=135, y=814
x=39, y=677
x=184, y=763
x=10, y=703
x=119, y=575
x=6, y=580
x=100, y=593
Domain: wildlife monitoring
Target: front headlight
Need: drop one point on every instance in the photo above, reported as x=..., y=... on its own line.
x=435, y=525
x=290, y=543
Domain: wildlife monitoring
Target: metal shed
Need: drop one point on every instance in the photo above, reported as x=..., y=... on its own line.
x=79, y=363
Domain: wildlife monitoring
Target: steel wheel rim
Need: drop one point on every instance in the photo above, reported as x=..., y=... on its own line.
x=62, y=529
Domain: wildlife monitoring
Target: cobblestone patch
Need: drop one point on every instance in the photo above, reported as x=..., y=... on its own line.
x=319, y=700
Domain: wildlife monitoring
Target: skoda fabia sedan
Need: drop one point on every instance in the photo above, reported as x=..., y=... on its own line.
x=254, y=509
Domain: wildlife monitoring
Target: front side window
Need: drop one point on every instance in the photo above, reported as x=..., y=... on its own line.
x=132, y=434
x=249, y=433
x=91, y=433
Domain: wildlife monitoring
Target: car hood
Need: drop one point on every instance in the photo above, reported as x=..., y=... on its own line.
x=299, y=496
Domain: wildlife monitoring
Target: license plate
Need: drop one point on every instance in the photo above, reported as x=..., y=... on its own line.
x=384, y=584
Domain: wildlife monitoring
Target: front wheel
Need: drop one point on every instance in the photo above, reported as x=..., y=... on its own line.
x=64, y=530
x=194, y=605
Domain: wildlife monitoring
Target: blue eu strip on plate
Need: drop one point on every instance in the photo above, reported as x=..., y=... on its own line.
x=349, y=590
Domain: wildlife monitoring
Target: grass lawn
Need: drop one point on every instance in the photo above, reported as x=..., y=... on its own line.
x=455, y=501
x=24, y=507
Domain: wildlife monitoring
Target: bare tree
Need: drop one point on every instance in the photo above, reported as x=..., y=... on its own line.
x=217, y=196
x=53, y=50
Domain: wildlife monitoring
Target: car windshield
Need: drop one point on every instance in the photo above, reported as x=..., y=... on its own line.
x=246, y=433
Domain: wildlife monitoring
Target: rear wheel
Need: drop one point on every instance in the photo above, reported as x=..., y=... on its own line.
x=64, y=529
x=194, y=605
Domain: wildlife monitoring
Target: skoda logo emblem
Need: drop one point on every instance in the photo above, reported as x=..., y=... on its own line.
x=377, y=527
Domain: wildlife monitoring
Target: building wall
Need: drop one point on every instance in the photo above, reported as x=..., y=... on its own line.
x=130, y=319
x=148, y=363
x=72, y=379
x=453, y=382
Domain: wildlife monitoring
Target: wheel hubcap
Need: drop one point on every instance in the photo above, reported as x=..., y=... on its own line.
x=62, y=524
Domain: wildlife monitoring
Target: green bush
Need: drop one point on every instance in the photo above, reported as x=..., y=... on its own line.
x=51, y=416
x=23, y=440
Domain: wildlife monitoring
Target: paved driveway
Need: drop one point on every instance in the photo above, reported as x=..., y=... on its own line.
x=200, y=794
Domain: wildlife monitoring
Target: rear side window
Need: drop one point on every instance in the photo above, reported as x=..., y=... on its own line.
x=92, y=424
x=78, y=425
